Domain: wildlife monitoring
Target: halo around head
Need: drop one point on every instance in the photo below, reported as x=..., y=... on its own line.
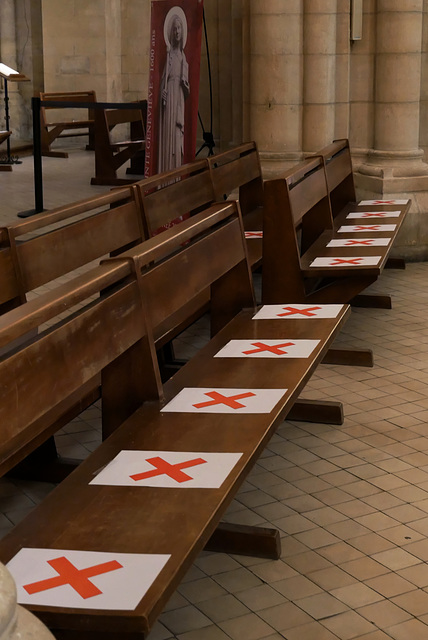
x=172, y=13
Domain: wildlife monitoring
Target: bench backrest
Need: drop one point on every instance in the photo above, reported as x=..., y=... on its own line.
x=296, y=211
x=65, y=96
x=238, y=169
x=340, y=178
x=170, y=197
x=53, y=244
x=102, y=321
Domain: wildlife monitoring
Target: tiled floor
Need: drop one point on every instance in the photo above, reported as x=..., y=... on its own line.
x=351, y=502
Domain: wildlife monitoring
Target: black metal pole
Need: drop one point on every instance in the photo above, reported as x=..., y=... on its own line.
x=37, y=156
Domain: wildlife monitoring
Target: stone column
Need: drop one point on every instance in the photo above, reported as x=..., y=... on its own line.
x=394, y=167
x=319, y=88
x=275, y=80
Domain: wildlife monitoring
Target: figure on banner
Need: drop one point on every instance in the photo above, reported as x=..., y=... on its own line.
x=174, y=90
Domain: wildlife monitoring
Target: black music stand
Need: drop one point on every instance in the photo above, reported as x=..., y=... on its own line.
x=9, y=75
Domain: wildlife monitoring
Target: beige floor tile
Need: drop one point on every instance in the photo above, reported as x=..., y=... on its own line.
x=402, y=534
x=321, y=606
x=371, y=543
x=409, y=630
x=340, y=553
x=391, y=584
x=285, y=616
x=384, y=614
x=224, y=608
x=377, y=521
x=415, y=602
x=331, y=578
x=364, y=568
x=356, y=595
x=396, y=559
x=265, y=596
x=349, y=625
x=311, y=631
x=250, y=627
x=296, y=587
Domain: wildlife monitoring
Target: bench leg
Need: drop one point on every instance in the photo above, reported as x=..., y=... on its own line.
x=353, y=357
x=372, y=301
x=323, y=411
x=395, y=263
x=44, y=465
x=245, y=540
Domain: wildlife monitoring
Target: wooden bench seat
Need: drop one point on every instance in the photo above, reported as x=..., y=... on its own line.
x=298, y=227
x=341, y=187
x=51, y=130
x=112, y=334
x=4, y=135
x=111, y=154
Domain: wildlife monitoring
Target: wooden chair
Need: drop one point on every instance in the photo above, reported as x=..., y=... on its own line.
x=110, y=154
x=52, y=130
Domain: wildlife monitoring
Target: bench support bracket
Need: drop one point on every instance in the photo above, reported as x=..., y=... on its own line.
x=323, y=411
x=353, y=357
x=372, y=301
x=246, y=541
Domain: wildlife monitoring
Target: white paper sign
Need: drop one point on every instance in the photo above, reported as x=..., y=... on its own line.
x=84, y=579
x=250, y=235
x=361, y=261
x=365, y=203
x=299, y=311
x=178, y=469
x=286, y=348
x=362, y=242
x=222, y=400
x=364, y=228
x=373, y=214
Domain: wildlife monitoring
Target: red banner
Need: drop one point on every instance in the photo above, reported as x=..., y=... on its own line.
x=173, y=95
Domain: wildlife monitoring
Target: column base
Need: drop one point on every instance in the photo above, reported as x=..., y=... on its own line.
x=399, y=181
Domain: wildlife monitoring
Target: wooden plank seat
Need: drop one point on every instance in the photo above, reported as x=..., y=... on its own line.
x=111, y=154
x=51, y=130
x=341, y=187
x=156, y=530
x=298, y=227
x=238, y=172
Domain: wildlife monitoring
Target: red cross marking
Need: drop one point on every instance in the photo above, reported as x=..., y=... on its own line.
x=360, y=227
x=383, y=201
x=349, y=261
x=76, y=578
x=276, y=348
x=291, y=311
x=358, y=242
x=163, y=467
x=229, y=401
x=377, y=214
x=254, y=234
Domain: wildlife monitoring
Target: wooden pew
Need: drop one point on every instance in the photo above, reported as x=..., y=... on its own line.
x=299, y=229
x=110, y=154
x=171, y=197
x=340, y=182
x=51, y=130
x=238, y=172
x=112, y=334
x=56, y=244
